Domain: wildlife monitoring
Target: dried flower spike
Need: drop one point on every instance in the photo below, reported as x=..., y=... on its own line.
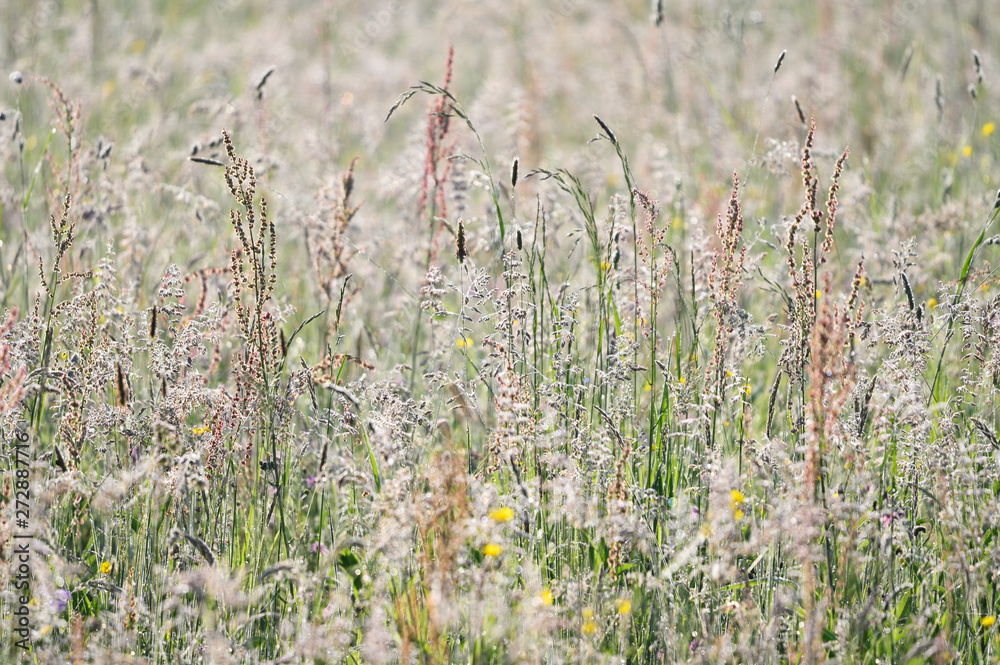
x=781, y=59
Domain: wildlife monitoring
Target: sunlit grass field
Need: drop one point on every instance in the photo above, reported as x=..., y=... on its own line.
x=522, y=332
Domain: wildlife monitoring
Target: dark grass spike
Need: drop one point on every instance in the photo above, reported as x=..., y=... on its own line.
x=770, y=403
x=205, y=160
x=607, y=130
x=402, y=100
x=907, y=57
x=340, y=303
x=263, y=81
x=312, y=318
x=322, y=457
x=202, y=548
x=985, y=430
x=906, y=288
x=798, y=109
x=120, y=378
x=863, y=412
x=939, y=96
x=460, y=252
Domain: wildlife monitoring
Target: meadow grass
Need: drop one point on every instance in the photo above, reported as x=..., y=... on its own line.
x=489, y=375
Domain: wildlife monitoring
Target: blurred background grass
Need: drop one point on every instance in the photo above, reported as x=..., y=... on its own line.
x=685, y=98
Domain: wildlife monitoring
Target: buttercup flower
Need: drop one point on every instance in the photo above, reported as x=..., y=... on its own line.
x=736, y=501
x=504, y=514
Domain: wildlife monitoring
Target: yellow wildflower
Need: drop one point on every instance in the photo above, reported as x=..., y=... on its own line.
x=589, y=626
x=990, y=620
x=967, y=151
x=989, y=128
x=492, y=549
x=105, y=567
x=504, y=514
x=545, y=595
x=624, y=606
x=736, y=501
